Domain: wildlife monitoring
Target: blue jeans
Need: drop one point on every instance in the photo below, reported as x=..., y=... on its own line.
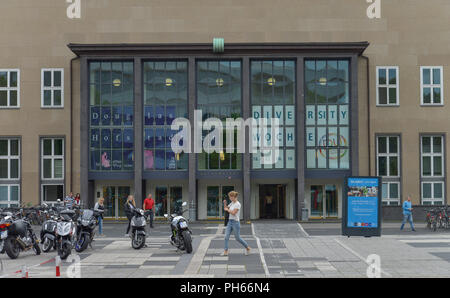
x=407, y=217
x=234, y=225
x=100, y=225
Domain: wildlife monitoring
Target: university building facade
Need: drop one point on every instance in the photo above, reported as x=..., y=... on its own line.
x=86, y=105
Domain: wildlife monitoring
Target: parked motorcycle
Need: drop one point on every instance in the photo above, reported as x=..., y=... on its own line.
x=86, y=224
x=138, y=223
x=181, y=234
x=65, y=231
x=20, y=237
x=48, y=232
x=5, y=222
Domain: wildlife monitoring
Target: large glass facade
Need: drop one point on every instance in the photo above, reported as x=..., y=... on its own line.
x=219, y=96
x=273, y=96
x=111, y=116
x=165, y=98
x=327, y=114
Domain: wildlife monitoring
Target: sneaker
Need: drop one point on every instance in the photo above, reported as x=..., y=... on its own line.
x=414, y=230
x=247, y=252
x=224, y=254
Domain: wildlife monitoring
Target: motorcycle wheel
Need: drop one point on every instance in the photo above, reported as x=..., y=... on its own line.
x=139, y=242
x=187, y=241
x=82, y=244
x=2, y=247
x=12, y=248
x=36, y=248
x=47, y=245
x=64, y=251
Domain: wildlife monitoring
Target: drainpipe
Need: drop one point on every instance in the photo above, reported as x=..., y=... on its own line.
x=71, y=123
x=368, y=112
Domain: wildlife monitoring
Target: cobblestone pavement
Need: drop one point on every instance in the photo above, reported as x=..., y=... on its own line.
x=279, y=249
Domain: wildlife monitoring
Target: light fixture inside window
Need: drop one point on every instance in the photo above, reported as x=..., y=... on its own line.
x=271, y=81
x=222, y=156
x=323, y=81
x=177, y=156
x=169, y=82
x=219, y=82
x=117, y=82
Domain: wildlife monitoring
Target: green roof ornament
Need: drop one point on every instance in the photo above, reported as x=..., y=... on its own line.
x=218, y=45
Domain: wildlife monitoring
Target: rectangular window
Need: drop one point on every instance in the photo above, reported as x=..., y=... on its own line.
x=52, y=88
x=387, y=86
x=52, y=158
x=9, y=159
x=9, y=88
x=431, y=85
x=9, y=195
x=111, y=116
x=52, y=192
x=432, y=169
x=219, y=96
x=165, y=99
x=388, y=167
x=327, y=100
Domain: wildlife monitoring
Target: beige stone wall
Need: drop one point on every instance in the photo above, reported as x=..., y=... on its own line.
x=34, y=35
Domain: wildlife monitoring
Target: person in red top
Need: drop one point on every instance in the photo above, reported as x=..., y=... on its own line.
x=149, y=204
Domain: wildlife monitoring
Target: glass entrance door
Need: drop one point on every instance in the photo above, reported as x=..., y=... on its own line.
x=214, y=200
x=168, y=199
x=272, y=201
x=115, y=198
x=324, y=201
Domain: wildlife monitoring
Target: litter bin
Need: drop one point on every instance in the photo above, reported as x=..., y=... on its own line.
x=304, y=214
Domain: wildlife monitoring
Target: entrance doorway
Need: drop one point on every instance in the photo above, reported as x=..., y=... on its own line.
x=324, y=201
x=272, y=199
x=214, y=200
x=115, y=198
x=167, y=198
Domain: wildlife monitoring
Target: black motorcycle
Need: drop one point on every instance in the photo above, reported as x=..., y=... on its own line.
x=181, y=234
x=20, y=237
x=138, y=223
x=86, y=224
x=48, y=232
x=5, y=223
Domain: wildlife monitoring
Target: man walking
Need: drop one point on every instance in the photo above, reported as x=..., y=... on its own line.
x=69, y=200
x=407, y=214
x=149, y=203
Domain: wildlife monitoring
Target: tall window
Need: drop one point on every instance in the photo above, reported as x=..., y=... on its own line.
x=9, y=195
x=327, y=114
x=219, y=96
x=432, y=169
x=388, y=166
x=111, y=116
x=387, y=86
x=52, y=158
x=273, y=96
x=9, y=88
x=165, y=98
x=431, y=85
x=9, y=159
x=52, y=88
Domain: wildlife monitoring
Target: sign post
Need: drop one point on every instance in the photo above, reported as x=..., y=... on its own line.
x=362, y=207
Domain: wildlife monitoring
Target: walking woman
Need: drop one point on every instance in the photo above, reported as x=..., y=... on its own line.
x=130, y=205
x=234, y=209
x=99, y=206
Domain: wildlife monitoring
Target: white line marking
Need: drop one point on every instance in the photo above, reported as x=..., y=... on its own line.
x=261, y=254
x=359, y=256
x=303, y=230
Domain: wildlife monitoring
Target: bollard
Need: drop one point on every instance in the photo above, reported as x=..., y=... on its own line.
x=58, y=265
x=24, y=272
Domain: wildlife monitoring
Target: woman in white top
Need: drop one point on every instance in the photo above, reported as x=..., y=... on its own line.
x=233, y=224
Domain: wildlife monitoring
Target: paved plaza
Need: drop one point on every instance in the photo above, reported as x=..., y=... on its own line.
x=279, y=249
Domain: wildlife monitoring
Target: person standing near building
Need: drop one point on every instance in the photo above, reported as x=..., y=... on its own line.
x=130, y=205
x=149, y=203
x=69, y=200
x=407, y=213
x=233, y=224
x=99, y=206
x=77, y=199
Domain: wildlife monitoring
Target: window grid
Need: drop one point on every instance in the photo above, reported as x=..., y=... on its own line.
x=9, y=91
x=433, y=198
x=388, y=197
x=388, y=155
x=388, y=86
x=52, y=157
x=6, y=199
x=43, y=196
x=10, y=158
x=432, y=155
x=431, y=86
x=52, y=88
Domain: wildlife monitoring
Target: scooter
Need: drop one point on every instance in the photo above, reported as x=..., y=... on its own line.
x=48, y=232
x=181, y=234
x=65, y=232
x=138, y=223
